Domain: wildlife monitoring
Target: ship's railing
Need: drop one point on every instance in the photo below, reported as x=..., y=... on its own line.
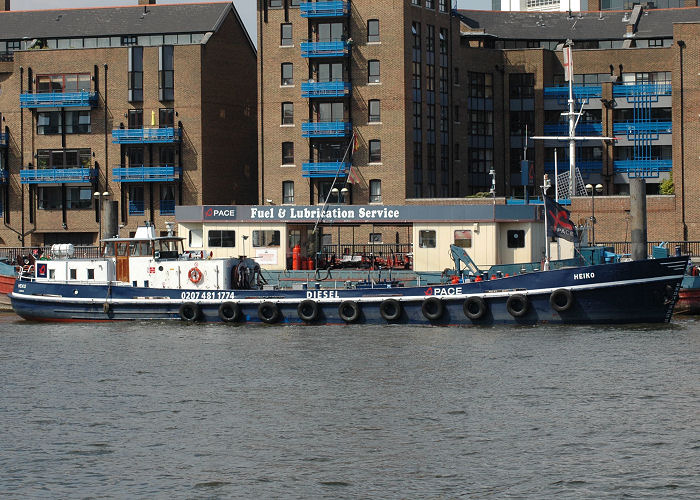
x=81, y=252
x=691, y=248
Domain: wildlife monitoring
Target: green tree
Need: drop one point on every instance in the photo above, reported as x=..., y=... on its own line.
x=666, y=187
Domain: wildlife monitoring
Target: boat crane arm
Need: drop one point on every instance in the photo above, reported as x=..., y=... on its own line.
x=460, y=255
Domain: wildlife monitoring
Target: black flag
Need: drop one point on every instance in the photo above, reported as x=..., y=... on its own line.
x=559, y=224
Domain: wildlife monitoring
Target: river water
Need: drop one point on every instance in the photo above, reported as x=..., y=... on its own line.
x=167, y=410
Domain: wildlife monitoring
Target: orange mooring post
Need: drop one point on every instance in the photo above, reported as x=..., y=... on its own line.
x=296, y=264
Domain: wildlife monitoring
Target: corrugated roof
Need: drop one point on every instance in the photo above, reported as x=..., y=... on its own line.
x=107, y=21
x=606, y=25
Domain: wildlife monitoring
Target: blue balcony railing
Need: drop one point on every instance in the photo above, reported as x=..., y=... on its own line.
x=4, y=177
x=3, y=139
x=58, y=99
x=581, y=128
x=337, y=48
x=585, y=166
x=136, y=207
x=579, y=91
x=167, y=207
x=325, y=89
x=632, y=129
x=642, y=166
x=56, y=175
x=146, y=135
x=641, y=89
x=325, y=169
x=325, y=129
x=163, y=173
x=338, y=8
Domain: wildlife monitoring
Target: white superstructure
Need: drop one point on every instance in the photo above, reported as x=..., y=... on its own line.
x=542, y=5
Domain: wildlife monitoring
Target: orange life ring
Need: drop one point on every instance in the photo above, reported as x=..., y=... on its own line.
x=195, y=275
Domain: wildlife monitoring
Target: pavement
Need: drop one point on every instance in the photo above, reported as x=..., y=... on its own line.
x=5, y=305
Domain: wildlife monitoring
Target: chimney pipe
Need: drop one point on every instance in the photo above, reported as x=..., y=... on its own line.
x=7, y=6
x=141, y=2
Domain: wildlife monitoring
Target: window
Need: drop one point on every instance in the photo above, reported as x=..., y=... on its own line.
x=329, y=72
x=287, y=153
x=91, y=274
x=375, y=191
x=216, y=238
x=49, y=198
x=288, y=192
x=129, y=40
x=275, y=4
x=463, y=238
x=73, y=274
x=375, y=151
x=136, y=74
x=268, y=238
x=375, y=237
x=195, y=239
x=456, y=113
x=330, y=32
x=65, y=82
x=330, y=112
x=442, y=5
x=78, y=122
x=373, y=71
x=374, y=116
x=480, y=85
x=429, y=4
x=522, y=85
x=373, y=30
x=286, y=35
x=516, y=238
x=426, y=239
x=48, y=123
x=287, y=74
x=167, y=194
x=166, y=118
x=287, y=113
x=135, y=118
x=135, y=156
x=78, y=197
x=63, y=158
x=166, y=76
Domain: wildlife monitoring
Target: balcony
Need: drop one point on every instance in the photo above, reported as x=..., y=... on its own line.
x=160, y=173
x=325, y=169
x=585, y=166
x=4, y=177
x=325, y=89
x=58, y=100
x=635, y=129
x=562, y=129
x=338, y=48
x=3, y=139
x=56, y=175
x=641, y=89
x=167, y=207
x=642, y=168
x=325, y=129
x=580, y=92
x=338, y=8
x=136, y=207
x=146, y=135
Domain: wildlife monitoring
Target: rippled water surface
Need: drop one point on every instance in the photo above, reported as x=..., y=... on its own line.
x=165, y=410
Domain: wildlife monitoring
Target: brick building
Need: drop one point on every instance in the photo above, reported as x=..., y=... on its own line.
x=152, y=104
x=405, y=102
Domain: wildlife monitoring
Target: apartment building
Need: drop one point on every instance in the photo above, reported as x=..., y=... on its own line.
x=585, y=5
x=149, y=106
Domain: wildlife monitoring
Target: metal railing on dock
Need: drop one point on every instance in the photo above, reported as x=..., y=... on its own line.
x=691, y=248
x=81, y=252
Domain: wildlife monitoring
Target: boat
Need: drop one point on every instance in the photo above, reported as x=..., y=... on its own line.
x=149, y=277
x=7, y=277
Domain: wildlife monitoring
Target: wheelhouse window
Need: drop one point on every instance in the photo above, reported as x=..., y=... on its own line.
x=427, y=238
x=463, y=238
x=65, y=82
x=166, y=73
x=221, y=239
x=135, y=75
x=267, y=238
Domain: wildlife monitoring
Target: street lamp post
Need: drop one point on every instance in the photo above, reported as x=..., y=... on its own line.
x=598, y=188
x=99, y=195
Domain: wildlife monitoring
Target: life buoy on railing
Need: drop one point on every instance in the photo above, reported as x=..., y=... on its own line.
x=195, y=275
